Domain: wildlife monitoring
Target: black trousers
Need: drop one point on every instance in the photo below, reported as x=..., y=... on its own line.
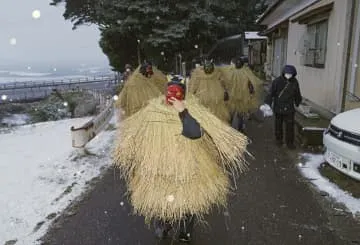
x=289, y=121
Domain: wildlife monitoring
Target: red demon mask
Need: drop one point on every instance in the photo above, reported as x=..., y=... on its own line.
x=176, y=91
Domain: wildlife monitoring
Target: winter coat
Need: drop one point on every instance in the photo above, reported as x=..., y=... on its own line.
x=283, y=99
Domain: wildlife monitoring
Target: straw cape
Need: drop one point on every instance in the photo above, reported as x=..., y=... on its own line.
x=159, y=79
x=240, y=98
x=197, y=71
x=169, y=175
x=137, y=91
x=224, y=70
x=209, y=88
x=257, y=98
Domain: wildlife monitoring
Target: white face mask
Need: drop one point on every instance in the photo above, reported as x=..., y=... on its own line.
x=128, y=70
x=288, y=76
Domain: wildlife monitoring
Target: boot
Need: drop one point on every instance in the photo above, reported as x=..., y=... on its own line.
x=186, y=227
x=162, y=229
x=185, y=238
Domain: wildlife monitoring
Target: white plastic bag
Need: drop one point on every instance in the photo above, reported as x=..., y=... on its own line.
x=267, y=111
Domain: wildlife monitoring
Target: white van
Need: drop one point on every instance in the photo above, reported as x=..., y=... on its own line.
x=342, y=143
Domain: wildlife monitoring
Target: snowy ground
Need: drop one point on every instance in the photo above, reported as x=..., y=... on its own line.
x=40, y=174
x=16, y=119
x=310, y=169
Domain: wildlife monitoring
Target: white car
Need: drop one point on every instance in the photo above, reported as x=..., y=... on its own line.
x=342, y=143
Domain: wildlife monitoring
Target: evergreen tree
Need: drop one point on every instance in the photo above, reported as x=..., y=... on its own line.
x=163, y=27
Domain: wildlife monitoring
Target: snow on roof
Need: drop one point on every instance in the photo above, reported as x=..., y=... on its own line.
x=253, y=35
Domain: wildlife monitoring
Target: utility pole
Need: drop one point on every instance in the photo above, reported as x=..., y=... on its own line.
x=176, y=65
x=180, y=64
x=138, y=52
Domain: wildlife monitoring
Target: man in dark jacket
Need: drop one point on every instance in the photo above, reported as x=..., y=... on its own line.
x=283, y=97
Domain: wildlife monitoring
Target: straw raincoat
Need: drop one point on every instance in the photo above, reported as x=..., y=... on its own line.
x=169, y=175
x=210, y=88
x=137, y=91
x=240, y=82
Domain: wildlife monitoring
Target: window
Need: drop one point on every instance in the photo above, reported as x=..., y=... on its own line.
x=316, y=44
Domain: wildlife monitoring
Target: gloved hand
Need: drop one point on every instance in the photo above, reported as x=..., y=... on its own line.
x=226, y=96
x=266, y=109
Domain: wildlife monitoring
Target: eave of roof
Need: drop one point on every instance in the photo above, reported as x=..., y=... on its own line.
x=268, y=11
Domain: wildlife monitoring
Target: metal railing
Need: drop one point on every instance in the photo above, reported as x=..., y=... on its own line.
x=37, y=90
x=55, y=83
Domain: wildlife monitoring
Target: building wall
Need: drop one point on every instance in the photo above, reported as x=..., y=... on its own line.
x=276, y=52
x=322, y=86
x=268, y=61
x=353, y=70
x=279, y=55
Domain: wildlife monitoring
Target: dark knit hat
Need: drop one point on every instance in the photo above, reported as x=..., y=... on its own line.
x=290, y=69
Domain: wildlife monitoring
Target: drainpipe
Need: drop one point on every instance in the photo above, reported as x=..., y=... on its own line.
x=348, y=54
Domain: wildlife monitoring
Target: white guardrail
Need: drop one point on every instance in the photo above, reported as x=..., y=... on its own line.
x=84, y=134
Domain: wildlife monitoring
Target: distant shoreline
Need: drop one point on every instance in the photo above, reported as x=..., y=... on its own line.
x=51, y=77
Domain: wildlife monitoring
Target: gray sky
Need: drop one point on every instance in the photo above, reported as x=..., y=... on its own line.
x=47, y=40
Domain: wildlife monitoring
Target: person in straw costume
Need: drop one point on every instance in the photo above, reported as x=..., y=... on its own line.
x=244, y=92
x=257, y=97
x=155, y=75
x=128, y=71
x=159, y=79
x=138, y=90
x=208, y=85
x=177, y=158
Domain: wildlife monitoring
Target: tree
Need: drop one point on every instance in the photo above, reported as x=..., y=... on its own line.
x=120, y=49
x=163, y=27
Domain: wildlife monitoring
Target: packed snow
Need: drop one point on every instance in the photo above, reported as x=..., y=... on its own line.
x=41, y=174
x=310, y=170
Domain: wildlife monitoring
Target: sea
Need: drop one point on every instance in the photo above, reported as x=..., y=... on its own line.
x=29, y=74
